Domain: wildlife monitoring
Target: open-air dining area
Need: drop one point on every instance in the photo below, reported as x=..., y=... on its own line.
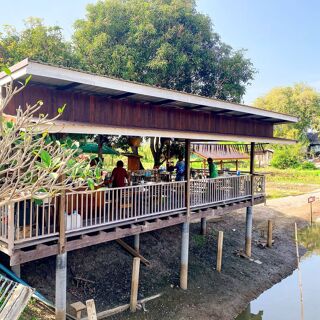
x=209, y=131
x=87, y=210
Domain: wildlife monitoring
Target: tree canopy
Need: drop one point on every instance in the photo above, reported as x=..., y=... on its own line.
x=299, y=100
x=35, y=41
x=166, y=43
x=161, y=42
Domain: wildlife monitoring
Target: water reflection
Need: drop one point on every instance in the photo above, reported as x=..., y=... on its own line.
x=247, y=315
x=310, y=238
x=282, y=301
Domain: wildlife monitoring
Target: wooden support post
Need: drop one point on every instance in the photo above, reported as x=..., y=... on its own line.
x=136, y=241
x=184, y=256
x=78, y=308
x=248, y=231
x=61, y=286
x=91, y=310
x=252, y=154
x=62, y=228
x=219, y=251
x=134, y=284
x=269, y=237
x=203, y=226
x=11, y=230
x=187, y=176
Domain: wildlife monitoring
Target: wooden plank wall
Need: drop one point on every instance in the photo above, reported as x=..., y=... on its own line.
x=100, y=110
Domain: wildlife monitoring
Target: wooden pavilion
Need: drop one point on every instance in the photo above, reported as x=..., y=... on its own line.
x=104, y=105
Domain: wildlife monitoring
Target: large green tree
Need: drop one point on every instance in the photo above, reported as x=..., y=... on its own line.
x=299, y=100
x=35, y=41
x=160, y=42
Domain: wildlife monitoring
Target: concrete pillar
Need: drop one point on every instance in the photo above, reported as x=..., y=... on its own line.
x=136, y=242
x=17, y=270
x=61, y=286
x=248, y=231
x=203, y=226
x=184, y=256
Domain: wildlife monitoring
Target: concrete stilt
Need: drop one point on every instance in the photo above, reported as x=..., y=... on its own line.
x=17, y=270
x=61, y=286
x=248, y=231
x=136, y=244
x=184, y=256
x=203, y=226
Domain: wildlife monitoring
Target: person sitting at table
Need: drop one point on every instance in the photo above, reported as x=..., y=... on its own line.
x=180, y=169
x=170, y=167
x=118, y=176
x=213, y=171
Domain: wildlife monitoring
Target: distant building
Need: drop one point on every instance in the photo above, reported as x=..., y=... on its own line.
x=263, y=157
x=314, y=144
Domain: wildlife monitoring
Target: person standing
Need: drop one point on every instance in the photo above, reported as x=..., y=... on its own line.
x=180, y=169
x=213, y=171
x=119, y=176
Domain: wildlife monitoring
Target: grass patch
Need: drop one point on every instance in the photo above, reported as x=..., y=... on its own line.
x=290, y=182
x=199, y=240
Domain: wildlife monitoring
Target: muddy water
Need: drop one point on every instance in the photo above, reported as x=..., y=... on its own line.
x=282, y=301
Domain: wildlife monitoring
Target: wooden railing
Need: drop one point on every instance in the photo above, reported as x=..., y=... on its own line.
x=26, y=221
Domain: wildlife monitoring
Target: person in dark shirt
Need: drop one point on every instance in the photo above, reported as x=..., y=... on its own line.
x=119, y=174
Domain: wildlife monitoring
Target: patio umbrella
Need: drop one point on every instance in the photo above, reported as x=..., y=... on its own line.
x=91, y=147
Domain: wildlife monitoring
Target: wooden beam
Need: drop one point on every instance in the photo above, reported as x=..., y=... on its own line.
x=133, y=252
x=68, y=86
x=123, y=95
x=165, y=101
x=199, y=106
x=216, y=113
x=16, y=303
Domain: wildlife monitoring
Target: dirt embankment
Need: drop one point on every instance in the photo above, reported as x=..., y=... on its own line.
x=211, y=295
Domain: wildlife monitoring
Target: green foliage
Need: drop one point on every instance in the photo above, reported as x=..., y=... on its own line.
x=299, y=100
x=199, y=240
x=35, y=41
x=307, y=165
x=287, y=157
x=163, y=43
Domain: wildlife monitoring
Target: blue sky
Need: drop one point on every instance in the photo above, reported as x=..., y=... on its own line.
x=281, y=36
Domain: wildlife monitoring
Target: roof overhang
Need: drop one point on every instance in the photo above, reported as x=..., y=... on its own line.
x=81, y=128
x=78, y=81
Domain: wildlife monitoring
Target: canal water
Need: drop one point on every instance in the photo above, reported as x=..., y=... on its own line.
x=282, y=301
